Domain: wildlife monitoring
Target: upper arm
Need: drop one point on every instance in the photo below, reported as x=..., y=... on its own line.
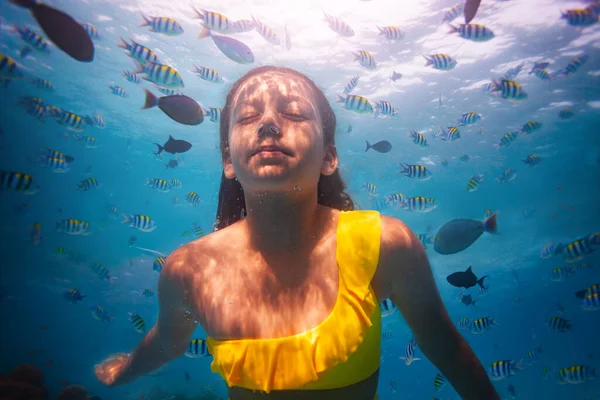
x=406, y=277
x=175, y=325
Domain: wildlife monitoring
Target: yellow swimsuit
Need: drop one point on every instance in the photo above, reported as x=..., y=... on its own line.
x=342, y=350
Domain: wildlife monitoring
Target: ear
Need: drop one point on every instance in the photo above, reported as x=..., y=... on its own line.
x=330, y=161
x=227, y=165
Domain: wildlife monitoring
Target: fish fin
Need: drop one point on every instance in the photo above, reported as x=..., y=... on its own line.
x=339, y=99
x=124, y=44
x=480, y=281
x=453, y=29
x=429, y=60
x=146, y=21
x=517, y=364
x=139, y=68
x=151, y=100
x=489, y=225
x=470, y=269
x=126, y=219
x=368, y=146
x=205, y=32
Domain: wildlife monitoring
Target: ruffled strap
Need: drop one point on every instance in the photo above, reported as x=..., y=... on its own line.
x=314, y=359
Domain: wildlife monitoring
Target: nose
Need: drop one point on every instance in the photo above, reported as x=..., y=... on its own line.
x=268, y=128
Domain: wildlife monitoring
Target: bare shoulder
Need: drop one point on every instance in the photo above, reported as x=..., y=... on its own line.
x=396, y=235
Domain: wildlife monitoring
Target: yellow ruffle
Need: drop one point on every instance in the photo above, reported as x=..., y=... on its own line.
x=325, y=356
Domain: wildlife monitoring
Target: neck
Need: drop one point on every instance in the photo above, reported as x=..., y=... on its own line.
x=282, y=223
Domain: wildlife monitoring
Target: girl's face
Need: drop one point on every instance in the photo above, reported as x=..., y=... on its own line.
x=289, y=157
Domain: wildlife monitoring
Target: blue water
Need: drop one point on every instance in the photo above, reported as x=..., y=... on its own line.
x=40, y=326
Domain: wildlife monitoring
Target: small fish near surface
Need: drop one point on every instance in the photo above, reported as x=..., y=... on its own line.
x=232, y=48
x=174, y=146
x=179, y=108
x=66, y=33
x=465, y=279
x=383, y=146
x=458, y=234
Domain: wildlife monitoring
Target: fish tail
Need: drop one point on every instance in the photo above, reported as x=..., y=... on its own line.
x=480, y=281
x=429, y=60
x=205, y=32
x=517, y=365
x=146, y=21
x=490, y=225
x=368, y=146
x=123, y=44
x=151, y=100
x=25, y=3
x=126, y=219
x=160, y=149
x=139, y=68
x=340, y=99
x=453, y=29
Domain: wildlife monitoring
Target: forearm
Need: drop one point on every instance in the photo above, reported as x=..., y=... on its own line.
x=457, y=362
x=150, y=354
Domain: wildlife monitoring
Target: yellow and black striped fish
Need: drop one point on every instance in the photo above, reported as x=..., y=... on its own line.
x=138, y=323
x=88, y=184
x=197, y=348
x=208, y=74
x=17, y=181
x=193, y=199
x=474, y=182
x=159, y=184
x=440, y=61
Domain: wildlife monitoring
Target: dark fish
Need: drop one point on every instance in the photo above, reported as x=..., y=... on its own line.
x=471, y=7
x=66, y=33
x=187, y=376
x=179, y=108
x=69, y=159
x=465, y=279
x=566, y=113
x=382, y=146
x=541, y=65
x=458, y=234
x=395, y=76
x=467, y=300
x=172, y=163
x=174, y=146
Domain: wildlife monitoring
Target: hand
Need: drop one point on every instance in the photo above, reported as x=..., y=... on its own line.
x=108, y=371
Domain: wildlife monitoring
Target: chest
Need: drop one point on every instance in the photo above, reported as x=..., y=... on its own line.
x=269, y=298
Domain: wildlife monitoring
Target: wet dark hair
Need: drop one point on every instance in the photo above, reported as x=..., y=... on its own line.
x=330, y=190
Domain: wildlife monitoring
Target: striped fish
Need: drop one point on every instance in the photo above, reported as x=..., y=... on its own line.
x=532, y=160
x=509, y=90
x=481, y=325
x=73, y=121
x=465, y=158
x=365, y=59
x=370, y=188
x=474, y=182
x=214, y=21
x=454, y=12
x=449, y=134
x=395, y=199
x=440, y=61
x=214, y=114
x=88, y=184
x=92, y=31
x=101, y=272
x=73, y=227
x=164, y=25
x=575, y=250
x=559, y=324
x=9, y=68
x=96, y=121
x=501, y=369
x=559, y=274
x=208, y=74
x=575, y=64
x=266, y=32
x=468, y=119
x=118, y=91
x=338, y=26
x=159, y=184
x=513, y=72
x=508, y=175
x=576, y=374
x=418, y=138
x=580, y=17
x=391, y=32
x=138, y=52
x=548, y=250
x=158, y=264
x=409, y=352
x=42, y=83
x=387, y=308
x=419, y=204
x=140, y=222
x=464, y=323
x=489, y=88
x=33, y=39
x=176, y=183
x=474, y=32
x=591, y=302
x=351, y=85
x=138, y=323
x=531, y=126
x=355, y=103
x=543, y=74
x=507, y=139
x=419, y=172
x=57, y=165
x=384, y=108
x=439, y=382
x=73, y=296
x=168, y=92
x=160, y=74
x=533, y=355
x=197, y=348
x=17, y=181
x=131, y=76
x=37, y=111
x=88, y=141
x=193, y=199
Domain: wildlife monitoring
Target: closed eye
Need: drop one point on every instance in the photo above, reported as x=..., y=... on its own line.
x=294, y=117
x=246, y=119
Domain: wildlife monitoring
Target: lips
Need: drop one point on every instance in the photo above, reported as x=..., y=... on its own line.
x=273, y=148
